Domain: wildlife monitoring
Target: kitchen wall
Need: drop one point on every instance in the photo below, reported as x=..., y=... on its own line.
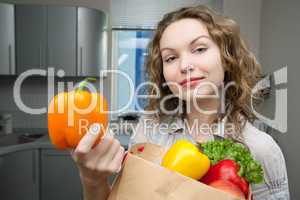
x=248, y=15
x=280, y=44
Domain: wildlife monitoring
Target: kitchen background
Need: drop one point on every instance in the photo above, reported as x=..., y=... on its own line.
x=82, y=36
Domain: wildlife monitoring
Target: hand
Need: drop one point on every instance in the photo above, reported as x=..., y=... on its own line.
x=96, y=164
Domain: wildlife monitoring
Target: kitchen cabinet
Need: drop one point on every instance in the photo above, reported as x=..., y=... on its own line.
x=31, y=31
x=46, y=37
x=59, y=176
x=92, y=42
x=7, y=39
x=19, y=175
x=62, y=35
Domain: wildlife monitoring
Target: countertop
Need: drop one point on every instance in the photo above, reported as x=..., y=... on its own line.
x=45, y=143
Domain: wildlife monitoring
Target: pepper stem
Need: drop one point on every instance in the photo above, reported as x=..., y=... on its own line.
x=83, y=84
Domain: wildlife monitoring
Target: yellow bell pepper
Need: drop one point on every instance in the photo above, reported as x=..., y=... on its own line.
x=185, y=158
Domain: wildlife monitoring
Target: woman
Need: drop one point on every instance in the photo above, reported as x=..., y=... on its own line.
x=204, y=74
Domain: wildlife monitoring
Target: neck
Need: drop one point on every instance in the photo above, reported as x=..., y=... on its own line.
x=202, y=115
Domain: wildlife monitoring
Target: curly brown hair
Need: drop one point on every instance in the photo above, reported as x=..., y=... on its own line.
x=240, y=65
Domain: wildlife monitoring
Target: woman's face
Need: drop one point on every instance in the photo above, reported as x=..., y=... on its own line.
x=191, y=60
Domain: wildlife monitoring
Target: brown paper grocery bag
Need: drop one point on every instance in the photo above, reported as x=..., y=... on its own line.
x=141, y=179
x=151, y=152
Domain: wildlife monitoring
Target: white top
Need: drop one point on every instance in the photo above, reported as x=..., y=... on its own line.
x=262, y=146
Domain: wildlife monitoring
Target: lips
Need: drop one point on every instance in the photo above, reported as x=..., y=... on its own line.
x=191, y=81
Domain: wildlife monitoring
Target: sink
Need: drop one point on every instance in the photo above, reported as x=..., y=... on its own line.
x=14, y=139
x=27, y=137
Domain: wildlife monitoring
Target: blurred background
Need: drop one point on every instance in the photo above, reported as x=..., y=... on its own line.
x=83, y=37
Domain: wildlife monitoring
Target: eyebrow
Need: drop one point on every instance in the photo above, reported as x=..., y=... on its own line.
x=192, y=42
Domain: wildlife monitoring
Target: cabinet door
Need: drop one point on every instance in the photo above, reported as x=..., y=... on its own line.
x=31, y=32
x=7, y=39
x=59, y=176
x=92, y=41
x=19, y=176
x=61, y=51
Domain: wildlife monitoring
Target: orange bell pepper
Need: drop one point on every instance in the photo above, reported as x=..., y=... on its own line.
x=71, y=113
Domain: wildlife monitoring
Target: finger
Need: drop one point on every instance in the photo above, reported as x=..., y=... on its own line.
x=116, y=163
x=88, y=140
x=102, y=147
x=112, y=151
x=105, y=142
x=98, y=151
x=90, y=160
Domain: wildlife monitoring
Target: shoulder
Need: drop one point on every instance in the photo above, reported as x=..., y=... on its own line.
x=265, y=149
x=259, y=142
x=146, y=122
x=151, y=129
x=144, y=129
x=153, y=123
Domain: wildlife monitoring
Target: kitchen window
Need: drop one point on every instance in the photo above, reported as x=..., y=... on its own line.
x=129, y=52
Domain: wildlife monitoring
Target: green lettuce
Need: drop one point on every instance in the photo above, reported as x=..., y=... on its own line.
x=219, y=150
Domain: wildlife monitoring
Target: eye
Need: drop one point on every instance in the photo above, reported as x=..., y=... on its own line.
x=200, y=50
x=169, y=59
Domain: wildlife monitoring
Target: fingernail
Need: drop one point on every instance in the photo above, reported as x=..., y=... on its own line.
x=94, y=129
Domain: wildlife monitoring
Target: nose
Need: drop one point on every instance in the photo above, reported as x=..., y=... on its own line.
x=185, y=65
x=186, y=68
